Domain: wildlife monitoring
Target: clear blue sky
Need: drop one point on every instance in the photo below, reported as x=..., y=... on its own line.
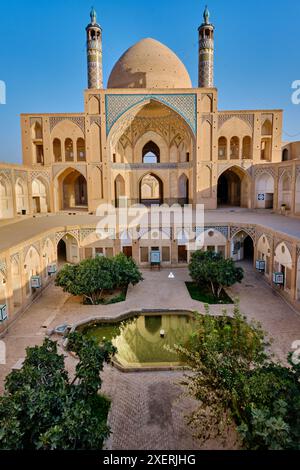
x=43, y=61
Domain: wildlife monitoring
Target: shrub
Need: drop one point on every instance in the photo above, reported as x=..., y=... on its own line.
x=92, y=277
x=236, y=381
x=211, y=269
x=42, y=409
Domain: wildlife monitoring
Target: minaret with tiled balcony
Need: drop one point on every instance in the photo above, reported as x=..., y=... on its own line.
x=206, y=52
x=94, y=52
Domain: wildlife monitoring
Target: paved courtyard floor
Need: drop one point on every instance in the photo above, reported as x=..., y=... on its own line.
x=148, y=408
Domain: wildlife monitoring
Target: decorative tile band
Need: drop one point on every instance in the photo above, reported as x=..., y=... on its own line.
x=184, y=104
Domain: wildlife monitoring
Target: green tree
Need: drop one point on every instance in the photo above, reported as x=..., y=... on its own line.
x=211, y=269
x=92, y=277
x=237, y=383
x=126, y=271
x=41, y=409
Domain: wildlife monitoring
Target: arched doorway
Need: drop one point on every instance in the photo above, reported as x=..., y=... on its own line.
x=242, y=247
x=151, y=153
x=62, y=251
x=233, y=188
x=21, y=196
x=283, y=264
x=229, y=189
x=265, y=191
x=285, y=155
x=68, y=250
x=73, y=191
x=39, y=196
x=32, y=262
x=6, y=202
x=119, y=190
x=151, y=190
x=183, y=190
x=248, y=249
x=285, y=190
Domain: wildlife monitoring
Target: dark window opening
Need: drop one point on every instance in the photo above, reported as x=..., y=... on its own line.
x=151, y=153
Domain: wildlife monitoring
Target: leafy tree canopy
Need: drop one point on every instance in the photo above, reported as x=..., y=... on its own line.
x=237, y=381
x=209, y=268
x=42, y=409
x=92, y=277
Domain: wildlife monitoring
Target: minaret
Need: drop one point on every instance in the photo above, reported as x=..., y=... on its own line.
x=206, y=52
x=94, y=52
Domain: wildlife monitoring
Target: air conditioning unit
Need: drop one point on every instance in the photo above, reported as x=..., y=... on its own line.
x=261, y=265
x=36, y=282
x=52, y=269
x=3, y=313
x=278, y=278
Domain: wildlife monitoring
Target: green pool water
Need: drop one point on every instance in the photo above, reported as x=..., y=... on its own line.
x=139, y=342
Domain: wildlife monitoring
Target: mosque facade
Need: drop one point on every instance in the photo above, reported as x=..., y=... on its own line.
x=149, y=137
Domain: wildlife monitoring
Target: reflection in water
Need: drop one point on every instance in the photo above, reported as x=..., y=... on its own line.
x=139, y=342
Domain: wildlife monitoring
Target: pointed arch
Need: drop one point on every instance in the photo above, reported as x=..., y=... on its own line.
x=16, y=280
x=285, y=190
x=69, y=150
x=119, y=190
x=283, y=263
x=32, y=266
x=6, y=200
x=265, y=187
x=151, y=152
x=234, y=188
x=242, y=245
x=234, y=148
x=151, y=189
x=183, y=189
x=40, y=195
x=247, y=148
x=116, y=126
x=94, y=105
x=21, y=191
x=266, y=128
x=222, y=148
x=80, y=150
x=153, y=140
x=72, y=190
x=67, y=248
x=37, y=131
x=57, y=150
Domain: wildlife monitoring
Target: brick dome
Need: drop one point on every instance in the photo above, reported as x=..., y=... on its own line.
x=149, y=64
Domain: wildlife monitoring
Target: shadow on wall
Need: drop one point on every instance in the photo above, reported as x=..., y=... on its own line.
x=233, y=189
